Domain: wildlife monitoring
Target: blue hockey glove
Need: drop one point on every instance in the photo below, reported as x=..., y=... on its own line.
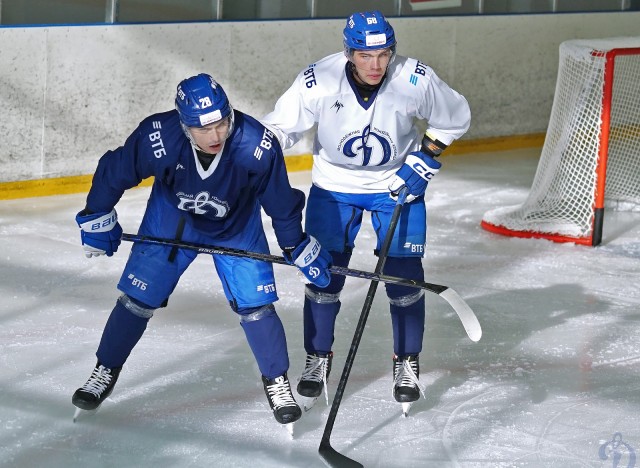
x=100, y=233
x=415, y=173
x=312, y=260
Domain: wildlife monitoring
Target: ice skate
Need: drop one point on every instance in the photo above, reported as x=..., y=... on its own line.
x=406, y=386
x=314, y=378
x=284, y=406
x=99, y=386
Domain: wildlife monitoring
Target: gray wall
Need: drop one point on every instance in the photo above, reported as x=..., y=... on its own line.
x=47, y=12
x=70, y=93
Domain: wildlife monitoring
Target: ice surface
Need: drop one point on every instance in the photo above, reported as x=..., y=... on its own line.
x=553, y=379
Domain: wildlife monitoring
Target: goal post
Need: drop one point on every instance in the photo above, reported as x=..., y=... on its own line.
x=591, y=152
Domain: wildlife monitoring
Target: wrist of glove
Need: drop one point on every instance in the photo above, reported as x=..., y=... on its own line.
x=312, y=260
x=415, y=174
x=100, y=232
x=431, y=145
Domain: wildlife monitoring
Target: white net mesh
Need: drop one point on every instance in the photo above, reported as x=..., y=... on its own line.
x=561, y=200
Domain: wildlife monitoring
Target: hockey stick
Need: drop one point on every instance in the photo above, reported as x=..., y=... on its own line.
x=466, y=315
x=330, y=455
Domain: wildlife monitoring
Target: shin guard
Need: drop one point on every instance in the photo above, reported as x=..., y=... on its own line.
x=266, y=338
x=320, y=313
x=125, y=327
x=408, y=325
x=407, y=305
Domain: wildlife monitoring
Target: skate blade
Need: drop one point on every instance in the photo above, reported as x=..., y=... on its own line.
x=308, y=403
x=80, y=412
x=405, y=409
x=289, y=428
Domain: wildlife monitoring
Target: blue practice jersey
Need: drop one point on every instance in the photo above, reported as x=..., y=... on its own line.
x=218, y=201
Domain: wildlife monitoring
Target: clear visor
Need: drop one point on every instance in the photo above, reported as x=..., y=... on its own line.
x=223, y=128
x=369, y=53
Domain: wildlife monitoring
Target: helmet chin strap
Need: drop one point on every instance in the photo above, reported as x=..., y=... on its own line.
x=354, y=72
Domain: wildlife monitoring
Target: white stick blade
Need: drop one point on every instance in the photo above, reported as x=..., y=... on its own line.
x=466, y=315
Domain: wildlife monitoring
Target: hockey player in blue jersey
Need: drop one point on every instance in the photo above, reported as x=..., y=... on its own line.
x=366, y=102
x=214, y=169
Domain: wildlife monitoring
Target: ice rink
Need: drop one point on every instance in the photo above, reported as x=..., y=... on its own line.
x=554, y=381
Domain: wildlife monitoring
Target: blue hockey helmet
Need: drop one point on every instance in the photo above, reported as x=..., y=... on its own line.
x=201, y=101
x=368, y=30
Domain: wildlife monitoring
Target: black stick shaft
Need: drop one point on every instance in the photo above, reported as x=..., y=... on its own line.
x=325, y=443
x=210, y=249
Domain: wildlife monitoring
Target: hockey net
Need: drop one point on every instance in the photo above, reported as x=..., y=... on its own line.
x=591, y=151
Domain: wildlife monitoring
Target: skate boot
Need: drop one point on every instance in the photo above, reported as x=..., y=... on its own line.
x=284, y=406
x=99, y=386
x=314, y=378
x=406, y=386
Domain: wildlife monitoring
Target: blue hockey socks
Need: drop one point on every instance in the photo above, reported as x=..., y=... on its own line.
x=122, y=331
x=265, y=335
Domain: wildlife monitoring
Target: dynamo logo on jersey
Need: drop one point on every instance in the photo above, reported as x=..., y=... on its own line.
x=202, y=203
x=370, y=148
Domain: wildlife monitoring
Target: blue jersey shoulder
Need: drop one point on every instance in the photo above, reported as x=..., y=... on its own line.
x=254, y=146
x=161, y=136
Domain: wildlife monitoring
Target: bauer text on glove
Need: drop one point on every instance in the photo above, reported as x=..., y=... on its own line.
x=415, y=173
x=100, y=232
x=312, y=260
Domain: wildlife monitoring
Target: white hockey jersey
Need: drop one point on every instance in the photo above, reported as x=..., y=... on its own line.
x=359, y=146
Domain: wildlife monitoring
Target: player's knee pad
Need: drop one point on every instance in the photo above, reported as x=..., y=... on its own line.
x=254, y=314
x=407, y=300
x=137, y=308
x=403, y=267
x=321, y=297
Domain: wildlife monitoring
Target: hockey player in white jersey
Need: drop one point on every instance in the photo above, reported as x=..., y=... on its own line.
x=367, y=102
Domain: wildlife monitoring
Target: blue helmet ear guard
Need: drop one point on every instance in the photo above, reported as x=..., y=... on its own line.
x=200, y=101
x=368, y=30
